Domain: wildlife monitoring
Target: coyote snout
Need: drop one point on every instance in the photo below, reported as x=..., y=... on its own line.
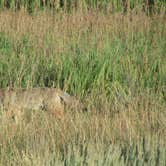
x=47, y=99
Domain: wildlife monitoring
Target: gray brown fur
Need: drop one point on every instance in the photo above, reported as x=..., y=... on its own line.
x=47, y=99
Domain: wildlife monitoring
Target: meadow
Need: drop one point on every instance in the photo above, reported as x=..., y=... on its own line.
x=114, y=63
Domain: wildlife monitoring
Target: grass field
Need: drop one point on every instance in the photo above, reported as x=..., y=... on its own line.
x=114, y=63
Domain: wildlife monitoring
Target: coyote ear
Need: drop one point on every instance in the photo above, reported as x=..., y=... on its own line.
x=65, y=98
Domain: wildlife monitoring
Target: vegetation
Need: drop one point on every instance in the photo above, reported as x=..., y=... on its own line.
x=114, y=63
x=150, y=6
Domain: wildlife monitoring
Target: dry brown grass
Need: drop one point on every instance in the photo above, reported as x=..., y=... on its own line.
x=63, y=28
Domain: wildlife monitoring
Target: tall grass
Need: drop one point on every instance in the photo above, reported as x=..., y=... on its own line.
x=114, y=63
x=102, y=5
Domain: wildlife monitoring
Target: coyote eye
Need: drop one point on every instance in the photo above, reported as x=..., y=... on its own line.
x=43, y=106
x=62, y=100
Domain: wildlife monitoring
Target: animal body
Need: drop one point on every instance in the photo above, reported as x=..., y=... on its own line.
x=48, y=99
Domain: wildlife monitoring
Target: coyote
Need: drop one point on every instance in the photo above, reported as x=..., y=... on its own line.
x=47, y=99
